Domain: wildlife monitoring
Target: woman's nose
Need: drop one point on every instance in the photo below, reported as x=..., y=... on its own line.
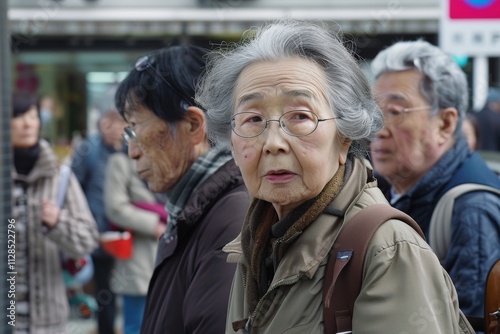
x=134, y=151
x=275, y=139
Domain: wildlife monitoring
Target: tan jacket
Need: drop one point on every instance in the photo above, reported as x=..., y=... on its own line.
x=123, y=187
x=75, y=234
x=404, y=290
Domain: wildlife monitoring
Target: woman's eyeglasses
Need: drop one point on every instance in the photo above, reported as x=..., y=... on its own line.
x=129, y=132
x=297, y=123
x=146, y=63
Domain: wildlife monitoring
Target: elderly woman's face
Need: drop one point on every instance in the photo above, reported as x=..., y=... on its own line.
x=25, y=129
x=277, y=167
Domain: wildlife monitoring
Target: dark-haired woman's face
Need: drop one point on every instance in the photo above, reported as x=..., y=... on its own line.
x=25, y=129
x=161, y=157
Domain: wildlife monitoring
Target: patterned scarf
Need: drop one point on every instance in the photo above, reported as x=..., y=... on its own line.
x=262, y=225
x=201, y=169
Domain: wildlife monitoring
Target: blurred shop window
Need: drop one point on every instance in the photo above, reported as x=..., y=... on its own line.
x=27, y=78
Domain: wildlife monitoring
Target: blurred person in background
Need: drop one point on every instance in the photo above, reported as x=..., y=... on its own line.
x=127, y=199
x=43, y=230
x=489, y=122
x=297, y=112
x=207, y=199
x=47, y=117
x=89, y=163
x=422, y=152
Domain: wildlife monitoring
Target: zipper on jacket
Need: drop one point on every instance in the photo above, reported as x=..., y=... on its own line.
x=278, y=248
x=286, y=281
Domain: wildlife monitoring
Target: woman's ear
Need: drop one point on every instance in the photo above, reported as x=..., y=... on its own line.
x=195, y=118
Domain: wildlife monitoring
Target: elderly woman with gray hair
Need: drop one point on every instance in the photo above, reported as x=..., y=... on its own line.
x=296, y=111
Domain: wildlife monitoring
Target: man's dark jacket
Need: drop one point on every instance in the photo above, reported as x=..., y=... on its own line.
x=475, y=229
x=189, y=290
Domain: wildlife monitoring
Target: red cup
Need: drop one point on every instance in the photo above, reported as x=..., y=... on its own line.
x=117, y=244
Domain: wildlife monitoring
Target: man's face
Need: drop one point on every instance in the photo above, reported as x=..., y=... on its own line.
x=162, y=157
x=407, y=147
x=111, y=128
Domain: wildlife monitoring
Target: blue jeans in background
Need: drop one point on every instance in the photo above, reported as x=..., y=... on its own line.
x=133, y=310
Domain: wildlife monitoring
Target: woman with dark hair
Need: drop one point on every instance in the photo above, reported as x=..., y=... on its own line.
x=43, y=230
x=207, y=199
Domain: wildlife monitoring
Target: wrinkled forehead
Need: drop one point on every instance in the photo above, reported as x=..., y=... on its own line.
x=290, y=78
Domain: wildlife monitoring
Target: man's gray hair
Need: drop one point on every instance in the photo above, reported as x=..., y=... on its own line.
x=348, y=90
x=444, y=84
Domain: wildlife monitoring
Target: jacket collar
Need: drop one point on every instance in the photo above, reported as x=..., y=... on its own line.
x=314, y=243
x=220, y=182
x=45, y=166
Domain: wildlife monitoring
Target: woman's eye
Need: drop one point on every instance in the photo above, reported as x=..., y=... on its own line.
x=254, y=119
x=300, y=115
x=394, y=111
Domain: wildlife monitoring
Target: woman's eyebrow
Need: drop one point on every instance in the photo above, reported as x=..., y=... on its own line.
x=249, y=98
x=298, y=93
x=259, y=97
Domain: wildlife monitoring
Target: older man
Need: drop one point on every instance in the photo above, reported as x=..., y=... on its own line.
x=207, y=199
x=422, y=152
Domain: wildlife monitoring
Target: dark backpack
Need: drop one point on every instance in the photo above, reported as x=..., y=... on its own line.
x=344, y=270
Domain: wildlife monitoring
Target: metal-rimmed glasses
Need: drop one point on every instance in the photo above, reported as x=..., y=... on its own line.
x=147, y=62
x=129, y=132
x=395, y=114
x=297, y=123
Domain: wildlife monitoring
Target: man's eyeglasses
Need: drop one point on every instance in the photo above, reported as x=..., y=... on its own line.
x=297, y=123
x=394, y=114
x=146, y=63
x=129, y=132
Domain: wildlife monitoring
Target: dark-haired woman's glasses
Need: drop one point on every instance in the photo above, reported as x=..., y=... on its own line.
x=129, y=132
x=146, y=63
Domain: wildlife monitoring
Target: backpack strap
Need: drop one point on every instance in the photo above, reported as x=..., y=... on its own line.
x=440, y=225
x=344, y=270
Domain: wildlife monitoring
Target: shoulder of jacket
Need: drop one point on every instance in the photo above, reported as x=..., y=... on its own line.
x=368, y=196
x=394, y=234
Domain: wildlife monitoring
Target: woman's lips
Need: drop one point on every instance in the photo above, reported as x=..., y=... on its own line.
x=142, y=173
x=279, y=176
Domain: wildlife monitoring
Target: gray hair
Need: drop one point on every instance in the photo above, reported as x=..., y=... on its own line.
x=348, y=90
x=444, y=84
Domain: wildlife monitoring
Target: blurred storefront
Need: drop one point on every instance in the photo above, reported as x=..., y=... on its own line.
x=76, y=51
